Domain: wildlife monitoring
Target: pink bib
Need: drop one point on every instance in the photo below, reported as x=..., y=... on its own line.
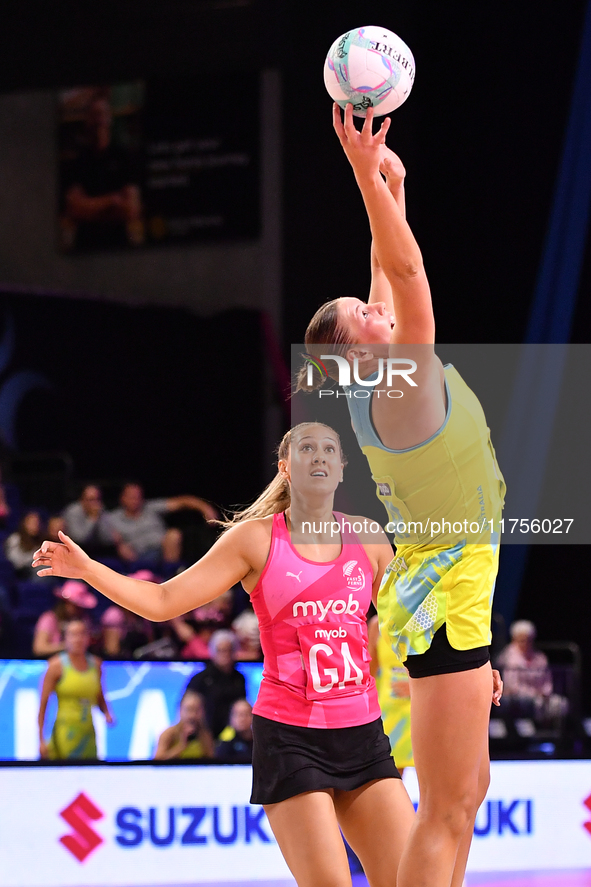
x=312, y=618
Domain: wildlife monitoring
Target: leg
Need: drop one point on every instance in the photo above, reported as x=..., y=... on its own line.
x=449, y=722
x=308, y=835
x=376, y=820
x=464, y=848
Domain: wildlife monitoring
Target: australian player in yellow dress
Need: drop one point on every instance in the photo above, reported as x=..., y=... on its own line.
x=426, y=439
x=75, y=677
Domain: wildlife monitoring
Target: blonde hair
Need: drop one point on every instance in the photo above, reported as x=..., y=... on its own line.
x=325, y=332
x=276, y=497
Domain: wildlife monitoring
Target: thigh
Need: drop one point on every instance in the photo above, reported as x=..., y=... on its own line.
x=376, y=820
x=309, y=838
x=449, y=725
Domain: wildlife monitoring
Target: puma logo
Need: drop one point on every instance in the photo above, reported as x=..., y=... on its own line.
x=294, y=575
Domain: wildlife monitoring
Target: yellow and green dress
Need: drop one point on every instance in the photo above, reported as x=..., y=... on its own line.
x=395, y=709
x=73, y=737
x=444, y=500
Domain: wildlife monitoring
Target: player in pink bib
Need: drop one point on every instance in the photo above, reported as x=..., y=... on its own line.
x=312, y=619
x=321, y=760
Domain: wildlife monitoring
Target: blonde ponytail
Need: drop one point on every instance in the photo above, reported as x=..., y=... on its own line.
x=325, y=334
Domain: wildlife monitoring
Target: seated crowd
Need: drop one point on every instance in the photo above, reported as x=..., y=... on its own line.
x=135, y=539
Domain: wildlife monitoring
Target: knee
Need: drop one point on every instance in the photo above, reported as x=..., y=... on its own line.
x=454, y=814
x=483, y=785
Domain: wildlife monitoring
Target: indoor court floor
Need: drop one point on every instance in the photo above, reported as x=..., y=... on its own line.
x=568, y=878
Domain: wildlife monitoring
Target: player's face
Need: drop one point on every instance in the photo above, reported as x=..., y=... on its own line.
x=366, y=324
x=314, y=463
x=132, y=498
x=191, y=710
x=76, y=637
x=241, y=716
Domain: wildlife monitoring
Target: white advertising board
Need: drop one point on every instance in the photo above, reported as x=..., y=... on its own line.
x=123, y=825
x=150, y=825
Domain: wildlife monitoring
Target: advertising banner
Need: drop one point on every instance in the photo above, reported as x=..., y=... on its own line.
x=118, y=825
x=152, y=825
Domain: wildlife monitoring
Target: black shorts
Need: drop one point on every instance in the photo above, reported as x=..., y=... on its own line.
x=442, y=658
x=288, y=760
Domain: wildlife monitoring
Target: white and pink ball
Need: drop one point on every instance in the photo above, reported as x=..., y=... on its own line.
x=369, y=67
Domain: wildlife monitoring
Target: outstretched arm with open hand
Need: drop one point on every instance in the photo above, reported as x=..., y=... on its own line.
x=227, y=562
x=396, y=250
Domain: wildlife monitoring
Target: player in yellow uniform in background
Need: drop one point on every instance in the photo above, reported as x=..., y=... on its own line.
x=392, y=685
x=75, y=677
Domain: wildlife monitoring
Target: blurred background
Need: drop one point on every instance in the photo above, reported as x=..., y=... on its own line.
x=154, y=349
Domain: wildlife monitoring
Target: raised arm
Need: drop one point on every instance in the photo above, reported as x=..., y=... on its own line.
x=396, y=249
x=394, y=173
x=233, y=557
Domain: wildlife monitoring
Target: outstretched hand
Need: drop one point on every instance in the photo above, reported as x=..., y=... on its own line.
x=63, y=558
x=363, y=148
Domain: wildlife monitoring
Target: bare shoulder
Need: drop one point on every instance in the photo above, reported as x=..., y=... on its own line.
x=252, y=538
x=250, y=533
x=54, y=665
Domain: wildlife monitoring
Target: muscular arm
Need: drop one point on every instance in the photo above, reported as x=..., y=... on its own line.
x=394, y=173
x=396, y=249
x=237, y=553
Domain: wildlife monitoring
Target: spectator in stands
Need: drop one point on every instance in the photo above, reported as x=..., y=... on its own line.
x=190, y=738
x=526, y=675
x=122, y=633
x=55, y=523
x=75, y=677
x=88, y=524
x=141, y=529
x=246, y=628
x=220, y=683
x=195, y=629
x=74, y=599
x=235, y=745
x=21, y=545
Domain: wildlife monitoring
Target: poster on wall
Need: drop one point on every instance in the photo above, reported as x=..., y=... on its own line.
x=146, y=163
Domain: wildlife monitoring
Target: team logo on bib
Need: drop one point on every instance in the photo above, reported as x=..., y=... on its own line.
x=384, y=489
x=354, y=576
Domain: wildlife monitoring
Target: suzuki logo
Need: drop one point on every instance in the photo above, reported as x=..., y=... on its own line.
x=587, y=803
x=84, y=839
